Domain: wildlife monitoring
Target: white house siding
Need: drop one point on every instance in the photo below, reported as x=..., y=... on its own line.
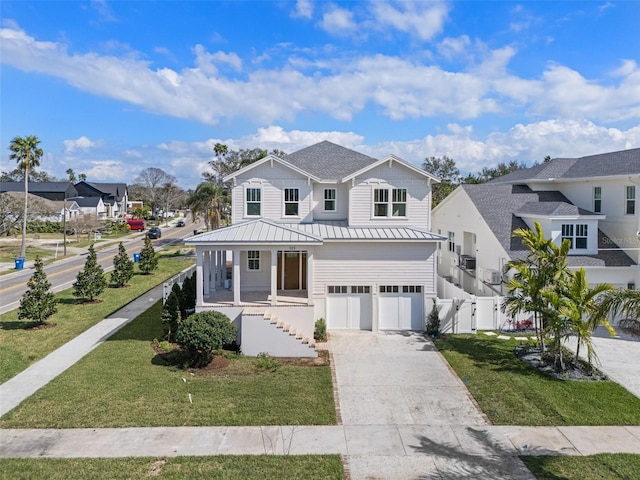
x=342, y=202
x=458, y=214
x=255, y=280
x=398, y=176
x=378, y=263
x=272, y=179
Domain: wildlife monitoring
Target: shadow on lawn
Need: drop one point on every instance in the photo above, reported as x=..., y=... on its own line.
x=483, y=457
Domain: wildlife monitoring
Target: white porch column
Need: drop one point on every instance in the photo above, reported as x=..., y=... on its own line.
x=220, y=280
x=206, y=270
x=309, y=277
x=223, y=265
x=214, y=270
x=199, y=283
x=274, y=277
x=236, y=276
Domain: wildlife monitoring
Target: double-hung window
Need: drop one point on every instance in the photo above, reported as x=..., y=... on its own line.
x=597, y=199
x=397, y=207
x=399, y=202
x=581, y=236
x=253, y=260
x=630, y=203
x=329, y=199
x=291, y=199
x=380, y=202
x=452, y=241
x=253, y=202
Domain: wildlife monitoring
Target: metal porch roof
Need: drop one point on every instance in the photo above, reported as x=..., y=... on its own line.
x=255, y=231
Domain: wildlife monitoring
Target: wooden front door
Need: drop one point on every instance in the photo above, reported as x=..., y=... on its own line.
x=294, y=266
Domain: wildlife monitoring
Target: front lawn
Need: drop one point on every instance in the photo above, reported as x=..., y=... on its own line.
x=510, y=392
x=19, y=347
x=124, y=383
x=241, y=467
x=594, y=467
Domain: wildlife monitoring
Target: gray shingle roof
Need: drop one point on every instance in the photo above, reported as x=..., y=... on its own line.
x=552, y=209
x=116, y=190
x=625, y=162
x=499, y=206
x=329, y=161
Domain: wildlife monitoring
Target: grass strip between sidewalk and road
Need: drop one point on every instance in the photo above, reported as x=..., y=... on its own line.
x=510, y=392
x=620, y=466
x=20, y=347
x=240, y=467
x=125, y=383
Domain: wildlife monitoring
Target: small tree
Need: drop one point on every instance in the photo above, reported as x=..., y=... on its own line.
x=148, y=259
x=203, y=333
x=171, y=315
x=433, y=324
x=123, y=268
x=90, y=282
x=38, y=303
x=188, y=295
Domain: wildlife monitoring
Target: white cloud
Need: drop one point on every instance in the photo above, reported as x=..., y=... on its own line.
x=423, y=20
x=340, y=86
x=454, y=47
x=338, y=21
x=82, y=143
x=103, y=10
x=304, y=9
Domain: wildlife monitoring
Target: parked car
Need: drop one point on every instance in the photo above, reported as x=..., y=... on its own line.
x=180, y=223
x=154, y=232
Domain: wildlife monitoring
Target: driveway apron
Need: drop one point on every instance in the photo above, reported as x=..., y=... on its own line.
x=407, y=415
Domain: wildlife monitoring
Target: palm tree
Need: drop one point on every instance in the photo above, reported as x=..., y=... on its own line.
x=583, y=307
x=26, y=152
x=544, y=268
x=628, y=303
x=209, y=200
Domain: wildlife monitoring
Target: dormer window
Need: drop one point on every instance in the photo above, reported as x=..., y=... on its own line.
x=253, y=202
x=576, y=234
x=291, y=200
x=396, y=208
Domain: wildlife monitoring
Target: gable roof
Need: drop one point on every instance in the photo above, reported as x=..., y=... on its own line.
x=552, y=209
x=499, y=206
x=116, y=190
x=88, y=202
x=329, y=161
x=390, y=159
x=622, y=163
x=270, y=158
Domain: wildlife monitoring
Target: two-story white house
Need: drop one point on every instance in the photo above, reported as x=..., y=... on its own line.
x=325, y=232
x=592, y=201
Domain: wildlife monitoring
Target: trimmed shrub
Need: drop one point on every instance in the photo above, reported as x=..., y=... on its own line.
x=38, y=303
x=122, y=268
x=320, y=331
x=90, y=282
x=171, y=316
x=433, y=322
x=204, y=333
x=148, y=258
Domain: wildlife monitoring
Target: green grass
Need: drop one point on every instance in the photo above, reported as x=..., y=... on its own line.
x=241, y=467
x=123, y=383
x=20, y=347
x=594, y=467
x=510, y=392
x=8, y=253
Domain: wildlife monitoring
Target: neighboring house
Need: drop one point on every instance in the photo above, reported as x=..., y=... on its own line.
x=592, y=201
x=91, y=206
x=48, y=190
x=114, y=196
x=325, y=232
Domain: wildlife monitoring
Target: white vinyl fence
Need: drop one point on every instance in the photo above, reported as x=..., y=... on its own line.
x=461, y=312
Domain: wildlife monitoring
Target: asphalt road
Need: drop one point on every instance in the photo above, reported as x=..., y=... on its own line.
x=61, y=274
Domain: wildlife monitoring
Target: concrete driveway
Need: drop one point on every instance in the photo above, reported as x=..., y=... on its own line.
x=411, y=415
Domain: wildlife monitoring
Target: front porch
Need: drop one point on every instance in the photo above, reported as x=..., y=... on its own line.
x=285, y=298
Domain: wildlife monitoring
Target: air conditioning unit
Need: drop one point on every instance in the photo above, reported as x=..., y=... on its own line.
x=467, y=262
x=492, y=277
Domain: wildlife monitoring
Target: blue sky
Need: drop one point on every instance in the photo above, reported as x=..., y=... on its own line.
x=114, y=87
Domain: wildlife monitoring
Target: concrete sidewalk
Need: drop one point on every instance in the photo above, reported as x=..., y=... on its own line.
x=406, y=415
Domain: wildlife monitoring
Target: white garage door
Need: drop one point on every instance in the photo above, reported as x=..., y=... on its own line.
x=349, y=307
x=401, y=307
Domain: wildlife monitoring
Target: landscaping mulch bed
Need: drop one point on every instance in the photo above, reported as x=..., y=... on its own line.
x=579, y=371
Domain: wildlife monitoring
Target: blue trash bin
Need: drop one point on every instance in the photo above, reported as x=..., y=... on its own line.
x=136, y=257
x=19, y=263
